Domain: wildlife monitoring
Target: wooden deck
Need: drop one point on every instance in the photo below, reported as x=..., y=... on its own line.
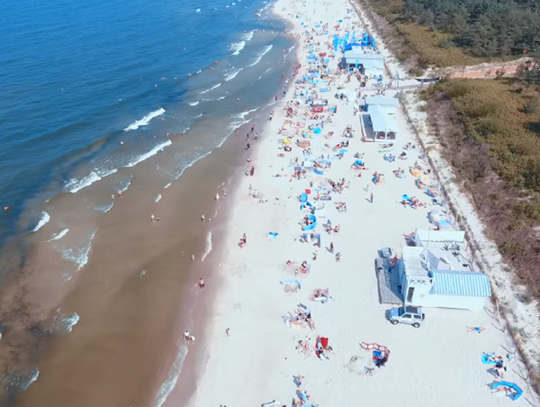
x=388, y=284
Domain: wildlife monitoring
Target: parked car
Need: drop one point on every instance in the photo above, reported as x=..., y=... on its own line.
x=406, y=315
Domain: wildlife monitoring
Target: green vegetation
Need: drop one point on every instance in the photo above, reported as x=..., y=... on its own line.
x=490, y=130
x=444, y=33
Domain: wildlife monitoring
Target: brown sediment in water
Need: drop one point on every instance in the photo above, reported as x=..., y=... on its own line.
x=125, y=343
x=124, y=346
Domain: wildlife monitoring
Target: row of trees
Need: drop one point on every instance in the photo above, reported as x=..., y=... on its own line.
x=487, y=28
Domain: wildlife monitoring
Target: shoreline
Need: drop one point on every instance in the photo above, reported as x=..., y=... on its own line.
x=165, y=288
x=196, y=359
x=257, y=362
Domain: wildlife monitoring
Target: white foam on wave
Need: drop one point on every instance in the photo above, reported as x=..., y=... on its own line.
x=261, y=55
x=158, y=198
x=242, y=115
x=208, y=246
x=104, y=208
x=75, y=185
x=182, y=350
x=215, y=100
x=186, y=167
x=79, y=254
x=236, y=47
x=212, y=88
x=45, y=218
x=170, y=383
x=233, y=74
x=149, y=154
x=248, y=36
x=122, y=183
x=64, y=324
x=145, y=120
x=58, y=236
x=20, y=381
x=193, y=103
x=198, y=10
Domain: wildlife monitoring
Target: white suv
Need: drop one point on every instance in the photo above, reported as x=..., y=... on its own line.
x=406, y=315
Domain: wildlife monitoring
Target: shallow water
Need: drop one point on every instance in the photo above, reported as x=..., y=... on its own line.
x=92, y=87
x=85, y=114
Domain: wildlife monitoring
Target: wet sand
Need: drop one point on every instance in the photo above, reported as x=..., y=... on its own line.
x=130, y=327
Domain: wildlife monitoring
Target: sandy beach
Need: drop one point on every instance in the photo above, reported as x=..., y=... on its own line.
x=248, y=355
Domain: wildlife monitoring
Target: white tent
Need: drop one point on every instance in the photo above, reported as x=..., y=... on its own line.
x=373, y=64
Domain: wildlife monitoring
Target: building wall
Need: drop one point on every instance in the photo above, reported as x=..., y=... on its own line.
x=447, y=301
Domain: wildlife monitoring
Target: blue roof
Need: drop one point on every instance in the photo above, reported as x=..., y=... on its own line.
x=465, y=283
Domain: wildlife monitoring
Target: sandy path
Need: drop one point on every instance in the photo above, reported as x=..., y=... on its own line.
x=439, y=363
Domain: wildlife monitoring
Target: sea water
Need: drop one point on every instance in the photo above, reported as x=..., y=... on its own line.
x=93, y=88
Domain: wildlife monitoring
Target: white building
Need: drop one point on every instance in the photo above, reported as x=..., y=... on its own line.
x=434, y=271
x=383, y=122
x=370, y=64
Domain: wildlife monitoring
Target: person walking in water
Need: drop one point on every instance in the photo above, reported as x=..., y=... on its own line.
x=201, y=283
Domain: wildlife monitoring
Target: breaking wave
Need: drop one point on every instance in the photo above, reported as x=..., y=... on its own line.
x=145, y=120
x=45, y=218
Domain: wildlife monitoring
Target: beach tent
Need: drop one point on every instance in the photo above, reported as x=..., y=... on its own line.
x=370, y=64
x=383, y=121
x=381, y=100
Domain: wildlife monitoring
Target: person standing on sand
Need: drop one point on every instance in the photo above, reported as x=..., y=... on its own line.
x=331, y=247
x=371, y=198
x=227, y=331
x=202, y=218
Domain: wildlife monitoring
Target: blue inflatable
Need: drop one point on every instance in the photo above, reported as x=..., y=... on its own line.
x=513, y=386
x=486, y=361
x=313, y=224
x=303, y=205
x=303, y=197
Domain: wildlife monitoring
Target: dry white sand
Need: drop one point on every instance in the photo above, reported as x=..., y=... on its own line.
x=438, y=364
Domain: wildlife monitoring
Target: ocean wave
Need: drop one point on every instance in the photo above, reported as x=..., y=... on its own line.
x=158, y=198
x=214, y=100
x=63, y=324
x=20, y=381
x=179, y=174
x=193, y=103
x=262, y=54
x=168, y=385
x=122, y=183
x=149, y=154
x=233, y=74
x=242, y=115
x=145, y=120
x=248, y=36
x=75, y=185
x=79, y=254
x=212, y=88
x=45, y=218
x=58, y=236
x=104, y=208
x=208, y=246
x=236, y=47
